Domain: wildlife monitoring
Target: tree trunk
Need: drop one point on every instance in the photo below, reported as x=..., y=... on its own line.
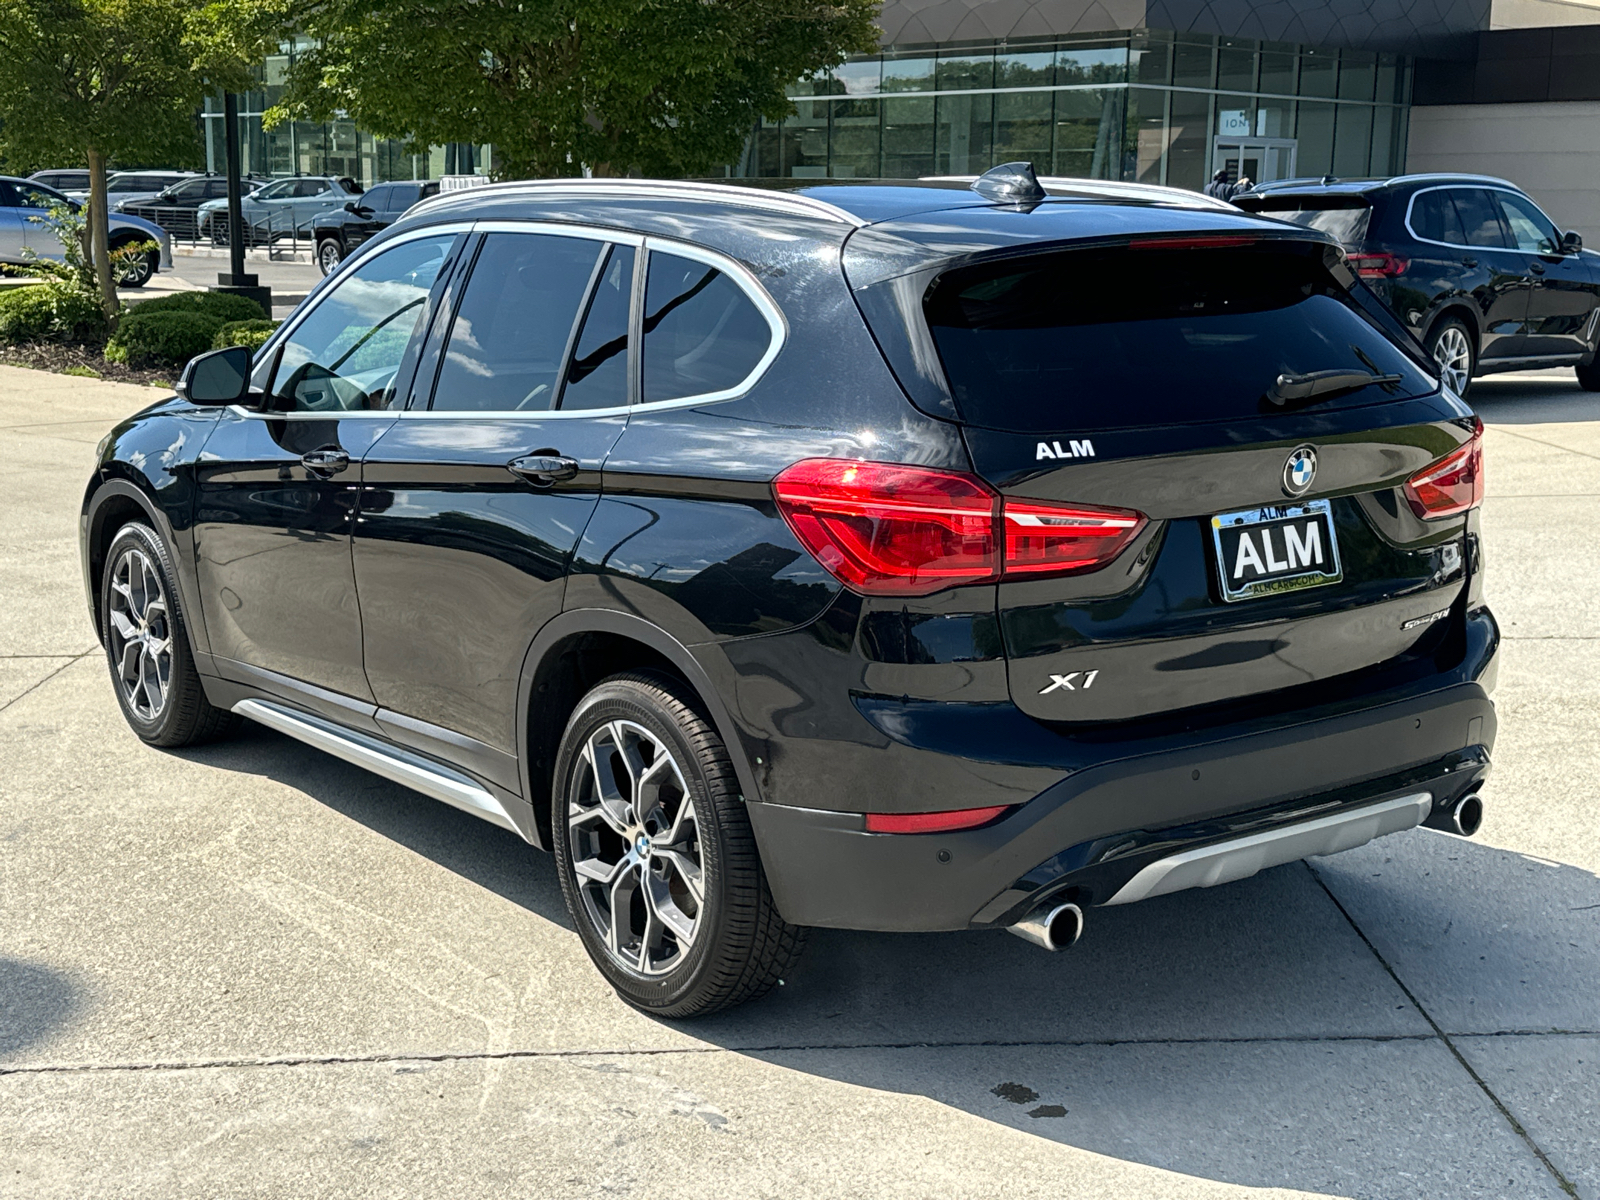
x=100, y=236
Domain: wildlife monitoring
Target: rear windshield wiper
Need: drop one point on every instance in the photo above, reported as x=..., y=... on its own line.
x=1318, y=384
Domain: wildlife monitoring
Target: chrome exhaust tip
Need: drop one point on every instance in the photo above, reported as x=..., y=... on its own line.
x=1053, y=926
x=1463, y=819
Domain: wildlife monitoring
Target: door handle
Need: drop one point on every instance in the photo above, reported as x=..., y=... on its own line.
x=1536, y=268
x=542, y=470
x=1469, y=262
x=325, y=462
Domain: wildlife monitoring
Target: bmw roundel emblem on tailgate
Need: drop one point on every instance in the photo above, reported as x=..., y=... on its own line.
x=1300, y=471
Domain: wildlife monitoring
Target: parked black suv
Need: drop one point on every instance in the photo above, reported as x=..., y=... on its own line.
x=380, y=206
x=883, y=556
x=1472, y=266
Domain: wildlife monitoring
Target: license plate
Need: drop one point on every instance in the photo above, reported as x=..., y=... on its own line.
x=1282, y=548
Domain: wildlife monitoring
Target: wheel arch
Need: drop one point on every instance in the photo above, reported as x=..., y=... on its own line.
x=1467, y=315
x=575, y=651
x=112, y=505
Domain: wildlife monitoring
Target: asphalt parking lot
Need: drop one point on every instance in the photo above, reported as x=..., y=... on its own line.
x=253, y=970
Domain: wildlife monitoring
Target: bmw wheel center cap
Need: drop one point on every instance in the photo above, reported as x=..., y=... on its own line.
x=1300, y=472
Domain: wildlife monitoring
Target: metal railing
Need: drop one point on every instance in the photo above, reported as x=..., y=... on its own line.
x=281, y=231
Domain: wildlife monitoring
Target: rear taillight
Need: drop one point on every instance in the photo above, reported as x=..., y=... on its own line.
x=1057, y=538
x=1379, y=265
x=1452, y=485
x=886, y=529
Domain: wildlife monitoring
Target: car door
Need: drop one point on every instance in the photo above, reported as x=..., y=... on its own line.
x=369, y=215
x=473, y=503
x=33, y=203
x=278, y=488
x=1502, y=298
x=13, y=235
x=1562, y=295
x=311, y=197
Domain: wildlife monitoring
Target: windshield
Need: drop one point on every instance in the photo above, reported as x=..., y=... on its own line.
x=1110, y=338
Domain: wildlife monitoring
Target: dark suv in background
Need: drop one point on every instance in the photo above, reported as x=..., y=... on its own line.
x=380, y=206
x=877, y=556
x=1473, y=267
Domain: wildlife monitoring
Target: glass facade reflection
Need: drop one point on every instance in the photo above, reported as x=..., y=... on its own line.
x=334, y=148
x=1147, y=106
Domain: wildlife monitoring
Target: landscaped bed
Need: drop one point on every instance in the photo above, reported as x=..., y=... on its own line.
x=81, y=358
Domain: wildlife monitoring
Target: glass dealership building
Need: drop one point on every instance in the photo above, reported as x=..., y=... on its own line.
x=1150, y=105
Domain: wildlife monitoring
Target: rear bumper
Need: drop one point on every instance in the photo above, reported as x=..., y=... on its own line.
x=1090, y=833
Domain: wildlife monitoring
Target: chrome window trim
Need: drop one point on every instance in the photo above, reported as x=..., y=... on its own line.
x=743, y=278
x=1477, y=187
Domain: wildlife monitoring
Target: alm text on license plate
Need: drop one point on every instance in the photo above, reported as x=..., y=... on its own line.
x=1280, y=548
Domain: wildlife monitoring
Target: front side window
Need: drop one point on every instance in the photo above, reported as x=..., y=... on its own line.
x=1529, y=227
x=276, y=191
x=31, y=195
x=1433, y=217
x=1480, y=218
x=377, y=198
x=344, y=355
x=702, y=334
x=514, y=323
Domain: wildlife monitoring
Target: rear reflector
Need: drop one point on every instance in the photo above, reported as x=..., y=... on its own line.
x=1452, y=485
x=935, y=822
x=885, y=529
x=1382, y=265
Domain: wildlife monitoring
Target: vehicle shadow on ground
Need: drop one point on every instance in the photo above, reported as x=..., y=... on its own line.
x=35, y=1002
x=1519, y=400
x=1247, y=1033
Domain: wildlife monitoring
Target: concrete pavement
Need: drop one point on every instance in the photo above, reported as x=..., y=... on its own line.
x=253, y=970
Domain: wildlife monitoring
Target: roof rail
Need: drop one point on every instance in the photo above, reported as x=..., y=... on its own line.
x=661, y=189
x=1111, y=189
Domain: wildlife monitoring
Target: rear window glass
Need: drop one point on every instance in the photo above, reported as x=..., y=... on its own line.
x=1344, y=217
x=1112, y=338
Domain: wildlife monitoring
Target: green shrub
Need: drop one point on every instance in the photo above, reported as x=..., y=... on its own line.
x=244, y=333
x=50, y=312
x=172, y=338
x=224, y=306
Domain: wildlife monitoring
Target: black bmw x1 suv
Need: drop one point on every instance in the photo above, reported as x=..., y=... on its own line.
x=877, y=556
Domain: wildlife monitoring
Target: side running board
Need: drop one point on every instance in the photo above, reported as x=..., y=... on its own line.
x=412, y=770
x=1223, y=862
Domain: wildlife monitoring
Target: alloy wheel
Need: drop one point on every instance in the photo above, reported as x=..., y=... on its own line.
x=1454, y=358
x=137, y=273
x=329, y=256
x=140, y=634
x=636, y=848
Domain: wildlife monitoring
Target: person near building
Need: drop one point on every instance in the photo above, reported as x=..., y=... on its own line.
x=1219, y=187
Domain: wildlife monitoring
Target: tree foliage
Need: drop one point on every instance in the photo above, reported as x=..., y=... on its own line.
x=657, y=87
x=92, y=82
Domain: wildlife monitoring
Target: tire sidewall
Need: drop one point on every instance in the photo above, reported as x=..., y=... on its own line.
x=631, y=700
x=163, y=727
x=329, y=248
x=1472, y=349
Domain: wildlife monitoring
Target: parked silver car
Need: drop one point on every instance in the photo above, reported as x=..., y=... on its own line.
x=281, y=209
x=23, y=205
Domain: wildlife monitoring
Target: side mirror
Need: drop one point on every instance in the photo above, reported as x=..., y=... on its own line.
x=218, y=378
x=1571, y=242
x=351, y=206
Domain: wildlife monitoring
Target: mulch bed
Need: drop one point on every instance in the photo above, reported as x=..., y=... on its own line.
x=58, y=356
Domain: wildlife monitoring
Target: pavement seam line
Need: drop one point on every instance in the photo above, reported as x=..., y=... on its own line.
x=1546, y=445
x=76, y=658
x=1562, y=1181
x=301, y=1060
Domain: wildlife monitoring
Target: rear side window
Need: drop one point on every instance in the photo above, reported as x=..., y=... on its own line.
x=1480, y=218
x=702, y=334
x=1085, y=340
x=597, y=377
x=513, y=323
x=1433, y=216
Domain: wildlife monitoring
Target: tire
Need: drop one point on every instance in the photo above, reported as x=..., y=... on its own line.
x=140, y=270
x=330, y=253
x=680, y=955
x=1450, y=346
x=147, y=645
x=1589, y=376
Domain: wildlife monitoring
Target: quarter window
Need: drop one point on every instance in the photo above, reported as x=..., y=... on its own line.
x=514, y=322
x=1480, y=218
x=597, y=376
x=1434, y=217
x=702, y=334
x=344, y=355
x=1529, y=227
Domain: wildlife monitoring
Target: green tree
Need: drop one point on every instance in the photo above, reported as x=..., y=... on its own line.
x=659, y=87
x=97, y=81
